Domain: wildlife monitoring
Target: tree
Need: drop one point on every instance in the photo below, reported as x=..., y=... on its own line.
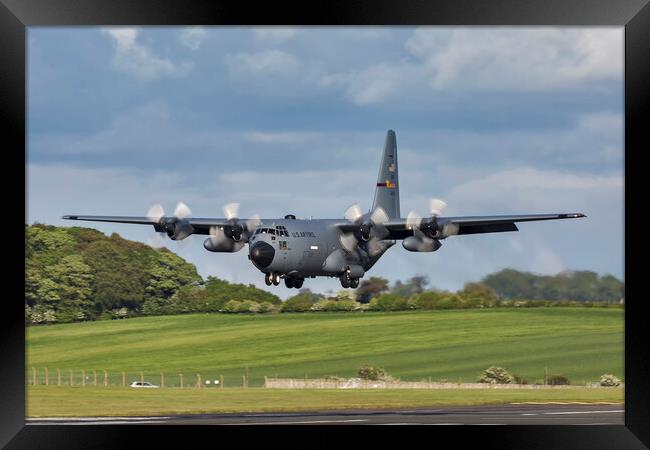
x=298, y=303
x=169, y=274
x=415, y=285
x=568, y=285
x=79, y=273
x=611, y=288
x=370, y=288
x=72, y=279
x=429, y=300
x=496, y=375
x=475, y=294
x=345, y=295
x=389, y=302
x=47, y=245
x=372, y=373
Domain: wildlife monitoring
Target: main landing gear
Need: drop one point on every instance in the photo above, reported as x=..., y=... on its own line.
x=347, y=281
x=290, y=282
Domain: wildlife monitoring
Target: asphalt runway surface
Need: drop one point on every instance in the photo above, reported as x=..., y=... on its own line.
x=509, y=414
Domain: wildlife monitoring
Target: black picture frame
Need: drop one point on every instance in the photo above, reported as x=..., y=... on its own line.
x=634, y=15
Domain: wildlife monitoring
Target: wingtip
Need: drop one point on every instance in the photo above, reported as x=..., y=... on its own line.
x=69, y=217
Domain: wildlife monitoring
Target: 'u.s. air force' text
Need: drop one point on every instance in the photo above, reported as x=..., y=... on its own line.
x=302, y=234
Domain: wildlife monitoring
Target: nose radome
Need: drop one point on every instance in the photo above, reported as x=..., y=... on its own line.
x=262, y=254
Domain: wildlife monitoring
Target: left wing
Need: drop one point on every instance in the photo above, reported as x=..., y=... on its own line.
x=476, y=224
x=447, y=226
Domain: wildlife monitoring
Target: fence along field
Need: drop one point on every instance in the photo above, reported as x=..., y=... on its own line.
x=102, y=378
x=580, y=343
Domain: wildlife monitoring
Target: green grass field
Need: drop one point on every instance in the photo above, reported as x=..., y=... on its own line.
x=54, y=401
x=581, y=343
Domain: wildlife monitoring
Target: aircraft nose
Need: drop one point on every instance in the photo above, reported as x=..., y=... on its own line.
x=262, y=254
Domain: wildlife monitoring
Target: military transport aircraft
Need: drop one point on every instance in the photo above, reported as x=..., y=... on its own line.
x=294, y=249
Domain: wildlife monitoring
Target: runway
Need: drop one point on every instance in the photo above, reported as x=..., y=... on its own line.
x=510, y=414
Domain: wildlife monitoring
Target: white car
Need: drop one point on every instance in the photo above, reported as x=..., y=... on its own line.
x=143, y=384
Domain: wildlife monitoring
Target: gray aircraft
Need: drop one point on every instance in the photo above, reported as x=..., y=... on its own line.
x=294, y=249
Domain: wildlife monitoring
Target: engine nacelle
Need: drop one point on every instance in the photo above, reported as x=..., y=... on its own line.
x=176, y=229
x=416, y=244
x=355, y=271
x=222, y=245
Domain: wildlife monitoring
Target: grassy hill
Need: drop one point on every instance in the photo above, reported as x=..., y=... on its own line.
x=581, y=343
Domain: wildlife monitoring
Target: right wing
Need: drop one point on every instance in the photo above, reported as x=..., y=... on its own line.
x=199, y=225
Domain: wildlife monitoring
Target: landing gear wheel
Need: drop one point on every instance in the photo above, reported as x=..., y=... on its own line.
x=267, y=279
x=276, y=279
x=345, y=280
x=354, y=283
x=297, y=283
x=289, y=282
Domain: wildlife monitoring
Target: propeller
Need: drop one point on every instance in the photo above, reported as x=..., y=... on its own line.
x=157, y=212
x=429, y=229
x=371, y=230
x=236, y=229
x=169, y=225
x=182, y=211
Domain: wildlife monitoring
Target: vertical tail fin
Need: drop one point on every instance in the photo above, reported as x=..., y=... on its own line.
x=387, y=190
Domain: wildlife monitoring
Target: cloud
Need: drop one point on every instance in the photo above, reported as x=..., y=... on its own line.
x=193, y=37
x=137, y=60
x=280, y=137
x=513, y=59
x=546, y=261
x=142, y=129
x=271, y=62
x=532, y=190
x=483, y=60
x=274, y=34
x=370, y=85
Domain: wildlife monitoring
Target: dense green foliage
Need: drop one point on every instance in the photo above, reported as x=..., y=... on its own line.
x=568, y=285
x=372, y=373
x=75, y=274
x=496, y=375
x=580, y=343
x=609, y=380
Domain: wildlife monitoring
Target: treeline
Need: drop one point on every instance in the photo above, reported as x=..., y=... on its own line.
x=375, y=294
x=75, y=274
x=569, y=285
x=78, y=274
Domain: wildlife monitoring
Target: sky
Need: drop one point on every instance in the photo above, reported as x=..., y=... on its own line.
x=494, y=120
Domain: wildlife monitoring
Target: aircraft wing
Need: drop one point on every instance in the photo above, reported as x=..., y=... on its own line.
x=399, y=229
x=199, y=225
